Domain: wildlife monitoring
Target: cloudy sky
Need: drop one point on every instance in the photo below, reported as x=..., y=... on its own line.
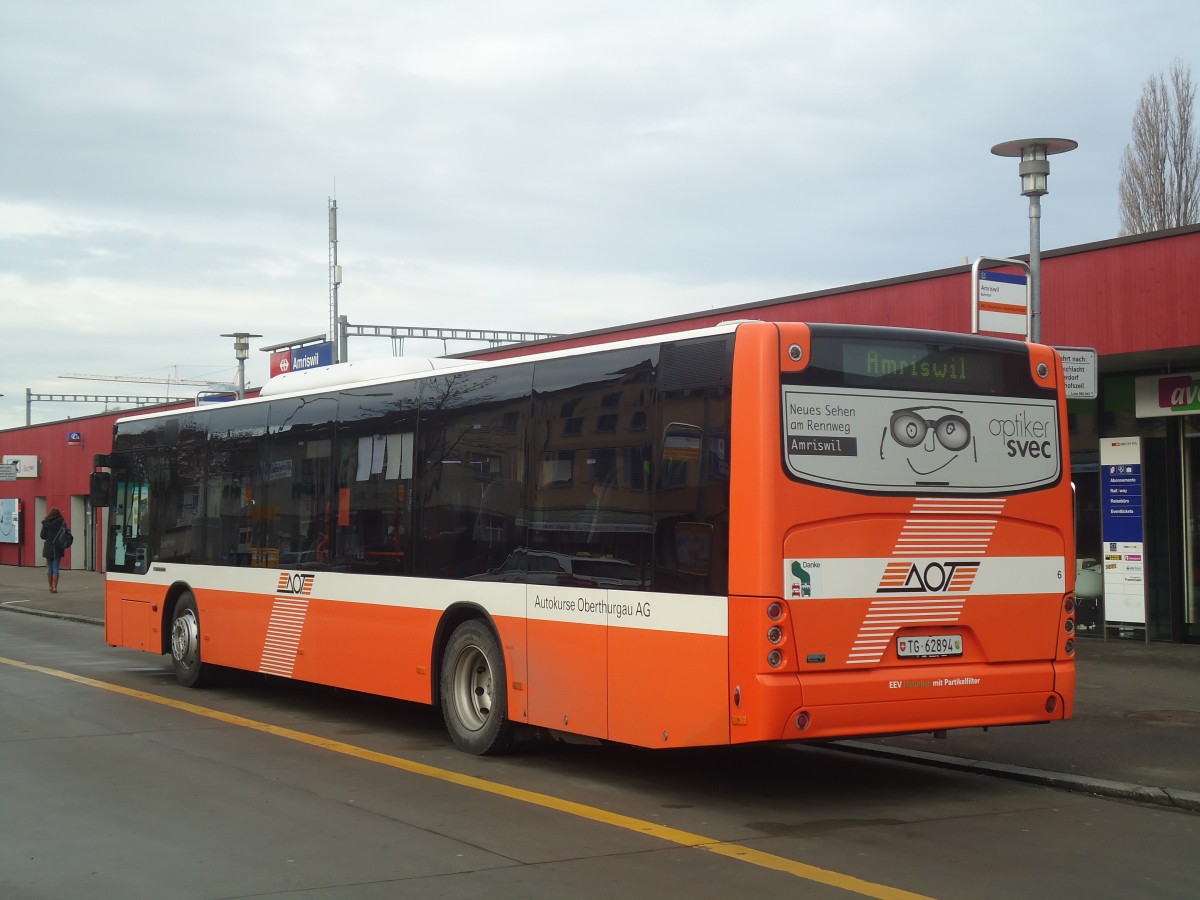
x=536, y=165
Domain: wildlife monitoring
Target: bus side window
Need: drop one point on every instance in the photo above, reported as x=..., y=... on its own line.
x=472, y=463
x=299, y=475
x=372, y=529
x=692, y=480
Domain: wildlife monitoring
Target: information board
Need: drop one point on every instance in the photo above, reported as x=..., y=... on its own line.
x=1079, y=372
x=1122, y=521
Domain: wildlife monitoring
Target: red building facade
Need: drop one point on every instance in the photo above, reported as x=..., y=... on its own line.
x=1134, y=300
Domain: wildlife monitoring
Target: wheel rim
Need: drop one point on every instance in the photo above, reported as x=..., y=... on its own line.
x=473, y=690
x=185, y=639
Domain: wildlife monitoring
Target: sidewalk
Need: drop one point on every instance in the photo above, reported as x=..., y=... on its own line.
x=1135, y=732
x=80, y=594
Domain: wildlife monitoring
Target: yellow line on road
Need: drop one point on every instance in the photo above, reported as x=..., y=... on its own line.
x=595, y=814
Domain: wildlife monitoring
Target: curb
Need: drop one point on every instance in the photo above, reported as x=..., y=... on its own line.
x=50, y=614
x=1120, y=790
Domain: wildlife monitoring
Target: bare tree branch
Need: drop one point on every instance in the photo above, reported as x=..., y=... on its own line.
x=1160, y=169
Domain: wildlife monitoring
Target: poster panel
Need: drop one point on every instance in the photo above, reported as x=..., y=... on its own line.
x=1122, y=515
x=10, y=521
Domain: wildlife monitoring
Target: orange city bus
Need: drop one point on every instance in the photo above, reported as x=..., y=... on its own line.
x=753, y=532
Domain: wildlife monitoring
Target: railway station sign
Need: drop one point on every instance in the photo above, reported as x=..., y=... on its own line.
x=295, y=359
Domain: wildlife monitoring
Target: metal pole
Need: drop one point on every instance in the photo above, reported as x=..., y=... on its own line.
x=334, y=280
x=1034, y=170
x=1035, y=267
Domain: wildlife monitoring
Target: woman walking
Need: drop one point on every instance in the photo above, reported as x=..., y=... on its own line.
x=53, y=547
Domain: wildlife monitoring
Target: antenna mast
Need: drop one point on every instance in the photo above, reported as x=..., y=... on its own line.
x=335, y=277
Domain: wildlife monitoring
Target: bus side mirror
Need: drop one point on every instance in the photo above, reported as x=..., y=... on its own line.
x=100, y=488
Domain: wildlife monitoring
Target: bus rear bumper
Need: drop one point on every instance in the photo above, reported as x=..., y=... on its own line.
x=821, y=708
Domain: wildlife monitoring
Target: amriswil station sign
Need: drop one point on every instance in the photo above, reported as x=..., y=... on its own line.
x=296, y=359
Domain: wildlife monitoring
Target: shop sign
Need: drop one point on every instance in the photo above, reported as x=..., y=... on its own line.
x=27, y=466
x=1167, y=395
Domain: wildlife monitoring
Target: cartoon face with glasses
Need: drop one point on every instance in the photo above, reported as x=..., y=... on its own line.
x=931, y=437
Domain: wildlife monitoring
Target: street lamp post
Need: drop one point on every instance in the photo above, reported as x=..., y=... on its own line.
x=1035, y=154
x=241, y=349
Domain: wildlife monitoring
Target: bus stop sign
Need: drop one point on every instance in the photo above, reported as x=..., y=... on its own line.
x=1000, y=301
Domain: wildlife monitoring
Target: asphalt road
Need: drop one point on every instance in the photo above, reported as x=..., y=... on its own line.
x=116, y=782
x=1134, y=734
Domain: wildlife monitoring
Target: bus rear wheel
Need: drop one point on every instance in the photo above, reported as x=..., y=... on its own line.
x=190, y=669
x=474, y=691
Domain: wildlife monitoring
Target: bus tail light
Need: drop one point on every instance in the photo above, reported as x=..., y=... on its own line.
x=1051, y=703
x=1069, y=609
x=802, y=721
x=777, y=633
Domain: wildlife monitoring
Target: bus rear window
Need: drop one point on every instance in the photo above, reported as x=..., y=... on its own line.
x=927, y=415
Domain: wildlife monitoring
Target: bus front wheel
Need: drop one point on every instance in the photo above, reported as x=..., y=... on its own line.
x=474, y=691
x=190, y=669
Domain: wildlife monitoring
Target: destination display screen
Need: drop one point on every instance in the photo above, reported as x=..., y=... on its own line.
x=919, y=366
x=843, y=356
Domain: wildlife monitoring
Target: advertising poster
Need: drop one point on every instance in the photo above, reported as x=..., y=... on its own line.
x=895, y=441
x=10, y=521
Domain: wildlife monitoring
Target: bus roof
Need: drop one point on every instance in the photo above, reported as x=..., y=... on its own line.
x=388, y=369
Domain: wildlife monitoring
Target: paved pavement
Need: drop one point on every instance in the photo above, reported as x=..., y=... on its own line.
x=1135, y=733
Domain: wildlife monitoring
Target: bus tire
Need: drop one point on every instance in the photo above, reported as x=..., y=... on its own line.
x=190, y=669
x=474, y=690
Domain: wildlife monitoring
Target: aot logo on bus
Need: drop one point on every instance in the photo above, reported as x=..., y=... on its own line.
x=932, y=578
x=295, y=583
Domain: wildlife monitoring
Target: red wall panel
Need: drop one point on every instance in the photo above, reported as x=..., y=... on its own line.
x=1122, y=296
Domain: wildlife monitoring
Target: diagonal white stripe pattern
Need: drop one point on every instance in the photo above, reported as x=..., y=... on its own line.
x=943, y=527
x=283, y=636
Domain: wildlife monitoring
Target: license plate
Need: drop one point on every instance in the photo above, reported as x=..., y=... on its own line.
x=925, y=645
